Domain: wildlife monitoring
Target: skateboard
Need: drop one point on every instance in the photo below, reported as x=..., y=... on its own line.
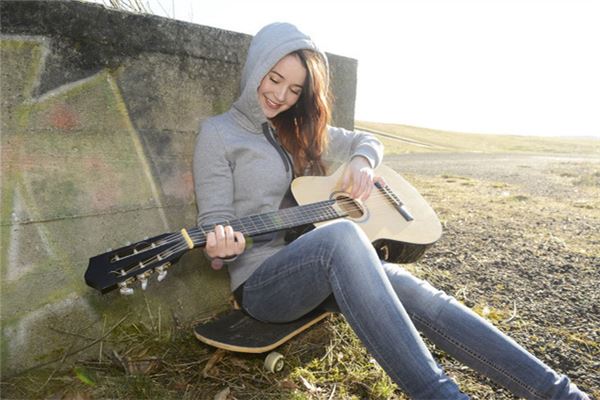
x=237, y=331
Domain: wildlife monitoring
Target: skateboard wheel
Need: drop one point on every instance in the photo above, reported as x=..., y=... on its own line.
x=274, y=362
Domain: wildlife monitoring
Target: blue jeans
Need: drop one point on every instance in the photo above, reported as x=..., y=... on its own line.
x=385, y=306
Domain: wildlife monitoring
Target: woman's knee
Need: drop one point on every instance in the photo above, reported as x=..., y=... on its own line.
x=347, y=247
x=343, y=232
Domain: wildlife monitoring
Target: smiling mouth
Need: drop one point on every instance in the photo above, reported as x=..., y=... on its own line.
x=271, y=103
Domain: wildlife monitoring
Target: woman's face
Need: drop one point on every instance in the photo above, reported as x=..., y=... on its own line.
x=281, y=87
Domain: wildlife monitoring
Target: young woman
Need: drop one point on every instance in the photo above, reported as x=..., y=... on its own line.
x=244, y=162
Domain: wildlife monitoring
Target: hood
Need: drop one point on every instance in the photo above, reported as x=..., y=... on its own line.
x=270, y=45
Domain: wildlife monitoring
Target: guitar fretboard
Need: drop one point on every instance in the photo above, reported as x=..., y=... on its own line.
x=259, y=224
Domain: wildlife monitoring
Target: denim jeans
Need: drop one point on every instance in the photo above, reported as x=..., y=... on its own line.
x=385, y=305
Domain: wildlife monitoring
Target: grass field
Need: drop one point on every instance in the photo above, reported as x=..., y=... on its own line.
x=400, y=139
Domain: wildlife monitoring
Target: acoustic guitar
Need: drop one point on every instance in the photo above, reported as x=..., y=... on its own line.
x=396, y=218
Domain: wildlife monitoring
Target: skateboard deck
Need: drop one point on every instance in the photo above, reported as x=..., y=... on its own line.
x=239, y=332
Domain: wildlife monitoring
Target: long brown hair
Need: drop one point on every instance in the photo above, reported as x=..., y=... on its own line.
x=302, y=129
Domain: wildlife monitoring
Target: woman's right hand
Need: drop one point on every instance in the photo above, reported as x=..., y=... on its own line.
x=222, y=243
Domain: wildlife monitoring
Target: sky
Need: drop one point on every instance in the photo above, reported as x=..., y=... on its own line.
x=523, y=67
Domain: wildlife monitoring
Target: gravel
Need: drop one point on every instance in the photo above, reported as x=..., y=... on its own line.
x=521, y=246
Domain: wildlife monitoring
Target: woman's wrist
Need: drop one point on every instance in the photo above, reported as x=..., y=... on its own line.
x=362, y=158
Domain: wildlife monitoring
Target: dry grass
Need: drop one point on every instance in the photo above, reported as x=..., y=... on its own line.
x=401, y=139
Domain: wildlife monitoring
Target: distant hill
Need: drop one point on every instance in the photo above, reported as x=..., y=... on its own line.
x=409, y=139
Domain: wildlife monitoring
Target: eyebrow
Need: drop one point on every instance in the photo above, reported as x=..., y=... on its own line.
x=275, y=72
x=283, y=77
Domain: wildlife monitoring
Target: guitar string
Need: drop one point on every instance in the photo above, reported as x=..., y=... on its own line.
x=292, y=218
x=310, y=213
x=181, y=245
x=317, y=213
x=374, y=204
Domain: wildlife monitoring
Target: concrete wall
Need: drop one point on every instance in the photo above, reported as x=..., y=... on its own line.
x=99, y=110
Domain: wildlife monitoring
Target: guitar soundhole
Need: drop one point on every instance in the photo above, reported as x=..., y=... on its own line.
x=349, y=206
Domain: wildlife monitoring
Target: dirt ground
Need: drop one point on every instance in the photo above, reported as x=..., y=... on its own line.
x=521, y=246
x=536, y=174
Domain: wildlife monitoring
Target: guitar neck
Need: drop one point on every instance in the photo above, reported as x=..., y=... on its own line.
x=260, y=224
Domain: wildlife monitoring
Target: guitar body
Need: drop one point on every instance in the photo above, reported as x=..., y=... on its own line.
x=395, y=238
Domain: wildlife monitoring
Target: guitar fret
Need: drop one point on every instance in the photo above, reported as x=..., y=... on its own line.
x=262, y=219
x=249, y=226
x=237, y=225
x=243, y=228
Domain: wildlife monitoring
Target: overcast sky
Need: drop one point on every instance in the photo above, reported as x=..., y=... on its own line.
x=528, y=67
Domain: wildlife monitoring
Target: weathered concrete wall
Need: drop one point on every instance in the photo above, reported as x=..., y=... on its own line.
x=99, y=111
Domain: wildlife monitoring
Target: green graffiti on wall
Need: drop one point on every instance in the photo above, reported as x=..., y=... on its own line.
x=68, y=157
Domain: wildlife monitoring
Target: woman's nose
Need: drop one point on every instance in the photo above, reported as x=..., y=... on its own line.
x=280, y=94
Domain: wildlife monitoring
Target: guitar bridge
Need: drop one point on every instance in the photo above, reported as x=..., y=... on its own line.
x=398, y=204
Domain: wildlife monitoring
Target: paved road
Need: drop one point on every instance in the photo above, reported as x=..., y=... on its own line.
x=544, y=175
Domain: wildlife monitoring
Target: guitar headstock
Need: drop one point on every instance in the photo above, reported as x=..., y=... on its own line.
x=136, y=262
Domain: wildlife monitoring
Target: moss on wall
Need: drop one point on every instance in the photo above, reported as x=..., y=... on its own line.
x=98, y=127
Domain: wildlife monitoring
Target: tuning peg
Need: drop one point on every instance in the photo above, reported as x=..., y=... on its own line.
x=162, y=273
x=144, y=281
x=143, y=278
x=124, y=289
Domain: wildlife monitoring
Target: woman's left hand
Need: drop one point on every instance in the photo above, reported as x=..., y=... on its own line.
x=360, y=177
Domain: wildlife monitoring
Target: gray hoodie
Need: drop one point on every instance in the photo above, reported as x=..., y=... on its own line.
x=239, y=167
